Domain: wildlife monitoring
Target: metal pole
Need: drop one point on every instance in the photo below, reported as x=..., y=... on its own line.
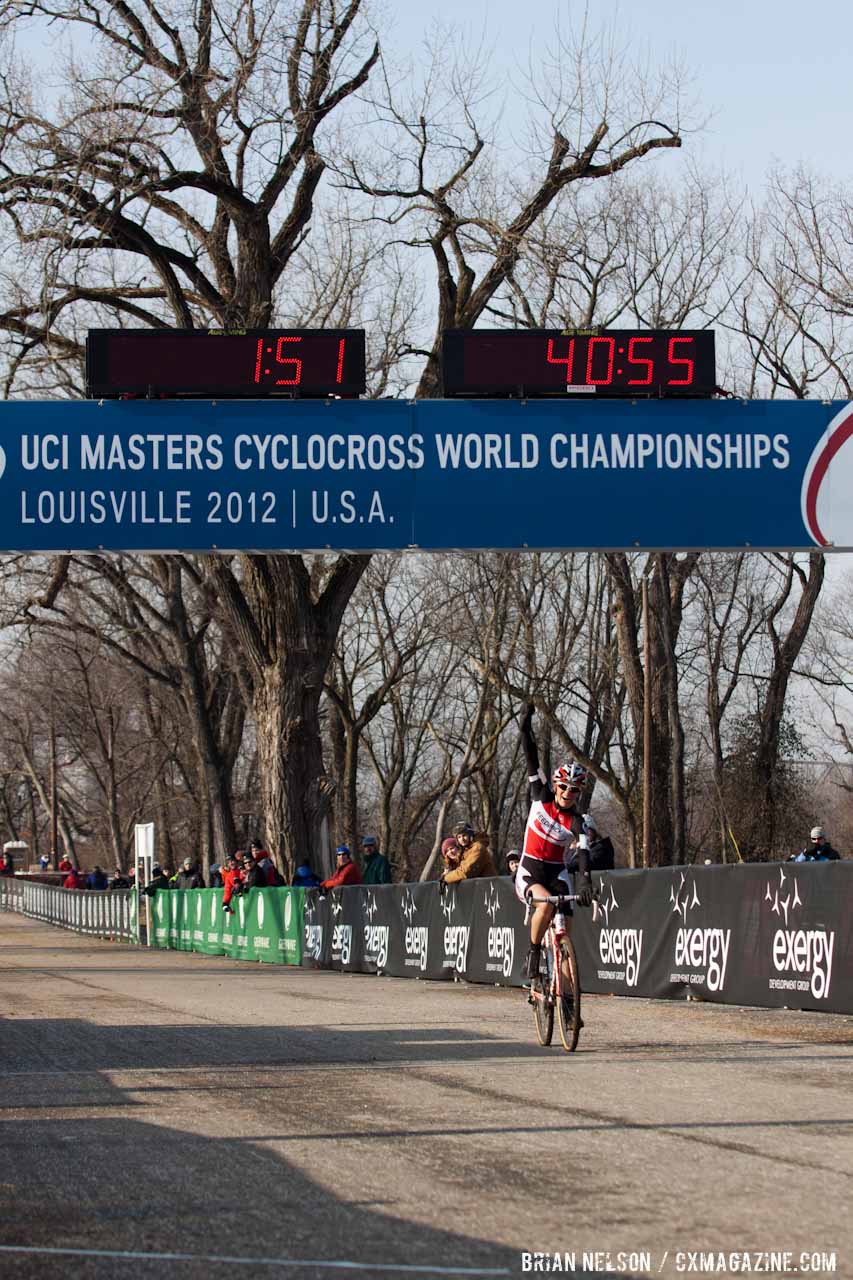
x=54, y=816
x=647, y=728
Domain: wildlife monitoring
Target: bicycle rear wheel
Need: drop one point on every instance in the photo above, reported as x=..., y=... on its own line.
x=569, y=1000
x=540, y=996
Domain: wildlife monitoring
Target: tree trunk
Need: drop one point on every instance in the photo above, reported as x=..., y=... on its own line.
x=666, y=764
x=286, y=619
x=785, y=653
x=290, y=756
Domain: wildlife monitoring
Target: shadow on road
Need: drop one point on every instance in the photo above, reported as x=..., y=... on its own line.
x=37, y=1044
x=120, y=1184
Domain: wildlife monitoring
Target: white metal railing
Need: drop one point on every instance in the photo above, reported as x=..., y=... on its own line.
x=11, y=893
x=107, y=914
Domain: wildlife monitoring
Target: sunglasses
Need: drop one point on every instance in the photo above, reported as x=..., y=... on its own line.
x=564, y=786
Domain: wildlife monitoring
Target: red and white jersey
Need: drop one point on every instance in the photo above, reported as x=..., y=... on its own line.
x=550, y=831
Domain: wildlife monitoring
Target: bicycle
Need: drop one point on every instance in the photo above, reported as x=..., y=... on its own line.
x=557, y=985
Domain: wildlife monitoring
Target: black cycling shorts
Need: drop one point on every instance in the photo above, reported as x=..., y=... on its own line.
x=553, y=876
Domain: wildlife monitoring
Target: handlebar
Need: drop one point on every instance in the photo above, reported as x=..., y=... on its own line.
x=557, y=899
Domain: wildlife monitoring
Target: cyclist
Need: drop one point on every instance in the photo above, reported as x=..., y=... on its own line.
x=554, y=825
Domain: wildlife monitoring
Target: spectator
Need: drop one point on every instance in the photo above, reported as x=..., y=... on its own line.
x=377, y=868
x=232, y=882
x=347, y=872
x=304, y=877
x=819, y=850
x=258, y=852
x=189, y=876
x=7, y=864
x=512, y=860
x=474, y=857
x=44, y=862
x=73, y=880
x=65, y=864
x=451, y=854
x=161, y=879
x=215, y=875
x=119, y=881
x=599, y=847
x=96, y=879
x=272, y=876
x=254, y=875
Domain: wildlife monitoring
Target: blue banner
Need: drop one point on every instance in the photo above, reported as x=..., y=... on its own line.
x=385, y=475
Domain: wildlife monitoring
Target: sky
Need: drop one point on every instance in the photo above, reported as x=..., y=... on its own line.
x=773, y=75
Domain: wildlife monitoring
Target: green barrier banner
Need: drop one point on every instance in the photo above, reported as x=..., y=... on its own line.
x=292, y=902
x=185, y=920
x=229, y=929
x=264, y=924
x=239, y=949
x=207, y=934
x=172, y=901
x=274, y=925
x=160, y=919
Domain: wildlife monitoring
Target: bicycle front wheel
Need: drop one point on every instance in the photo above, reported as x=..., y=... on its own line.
x=540, y=995
x=569, y=1000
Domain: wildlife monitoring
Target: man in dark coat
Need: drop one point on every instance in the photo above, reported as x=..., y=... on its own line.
x=377, y=868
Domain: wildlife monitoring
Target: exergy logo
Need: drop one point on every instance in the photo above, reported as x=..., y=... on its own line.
x=456, y=936
x=804, y=956
x=313, y=931
x=620, y=949
x=341, y=933
x=375, y=935
x=501, y=938
x=701, y=954
x=416, y=939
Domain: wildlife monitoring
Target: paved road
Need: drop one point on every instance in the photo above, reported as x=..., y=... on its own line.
x=158, y=1103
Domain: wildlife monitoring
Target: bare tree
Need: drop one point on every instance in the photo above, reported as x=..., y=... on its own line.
x=156, y=616
x=787, y=624
x=173, y=185
x=377, y=646
x=431, y=173
x=633, y=251
x=791, y=306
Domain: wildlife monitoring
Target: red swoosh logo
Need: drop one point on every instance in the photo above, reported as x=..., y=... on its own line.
x=839, y=437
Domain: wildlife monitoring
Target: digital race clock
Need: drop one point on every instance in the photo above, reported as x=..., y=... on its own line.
x=215, y=362
x=581, y=362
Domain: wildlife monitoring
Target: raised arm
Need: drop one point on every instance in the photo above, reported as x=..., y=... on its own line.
x=535, y=776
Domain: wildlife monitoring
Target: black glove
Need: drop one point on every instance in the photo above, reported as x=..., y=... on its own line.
x=585, y=893
x=527, y=718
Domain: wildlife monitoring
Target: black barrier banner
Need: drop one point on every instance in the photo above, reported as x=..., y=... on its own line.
x=416, y=949
x=499, y=940
x=796, y=937
x=317, y=931
x=764, y=934
x=620, y=940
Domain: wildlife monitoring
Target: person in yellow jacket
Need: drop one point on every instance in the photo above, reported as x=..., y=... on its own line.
x=470, y=858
